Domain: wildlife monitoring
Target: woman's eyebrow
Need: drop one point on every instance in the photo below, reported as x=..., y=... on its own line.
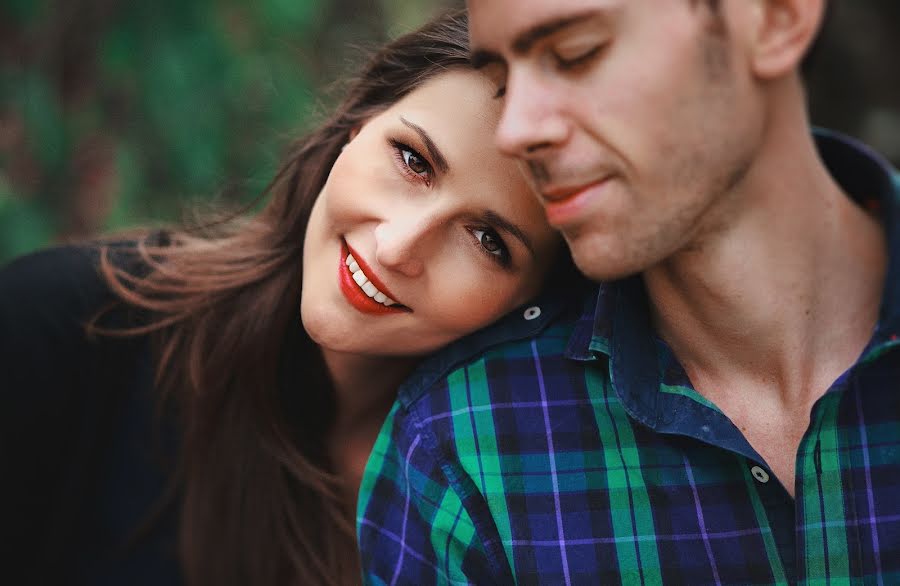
x=498, y=221
x=436, y=155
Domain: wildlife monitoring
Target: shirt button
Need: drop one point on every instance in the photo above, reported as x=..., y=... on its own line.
x=532, y=312
x=759, y=474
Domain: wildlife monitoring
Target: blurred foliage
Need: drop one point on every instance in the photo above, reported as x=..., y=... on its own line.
x=116, y=113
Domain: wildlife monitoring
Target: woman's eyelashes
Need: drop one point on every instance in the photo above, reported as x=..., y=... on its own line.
x=411, y=163
x=491, y=244
x=417, y=168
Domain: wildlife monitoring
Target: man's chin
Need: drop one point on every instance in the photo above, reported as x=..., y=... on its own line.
x=600, y=261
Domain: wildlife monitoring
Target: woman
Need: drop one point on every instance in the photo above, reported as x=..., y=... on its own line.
x=271, y=345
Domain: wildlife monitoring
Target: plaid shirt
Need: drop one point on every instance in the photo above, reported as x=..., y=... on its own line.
x=568, y=447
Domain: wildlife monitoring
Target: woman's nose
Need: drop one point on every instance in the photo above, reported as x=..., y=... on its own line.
x=400, y=244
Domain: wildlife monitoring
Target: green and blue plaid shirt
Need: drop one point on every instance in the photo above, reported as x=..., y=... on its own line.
x=566, y=445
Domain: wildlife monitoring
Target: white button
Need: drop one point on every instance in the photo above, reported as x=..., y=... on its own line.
x=759, y=474
x=532, y=312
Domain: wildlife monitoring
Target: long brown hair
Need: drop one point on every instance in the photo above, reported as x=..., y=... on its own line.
x=258, y=503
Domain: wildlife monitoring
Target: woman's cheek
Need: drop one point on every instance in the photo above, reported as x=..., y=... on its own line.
x=472, y=308
x=351, y=190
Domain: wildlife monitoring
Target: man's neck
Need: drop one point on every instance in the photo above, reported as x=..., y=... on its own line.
x=784, y=294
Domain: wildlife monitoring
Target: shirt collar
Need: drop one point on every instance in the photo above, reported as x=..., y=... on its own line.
x=523, y=323
x=620, y=327
x=871, y=181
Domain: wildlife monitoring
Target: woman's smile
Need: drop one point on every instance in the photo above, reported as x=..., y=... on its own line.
x=428, y=223
x=358, y=284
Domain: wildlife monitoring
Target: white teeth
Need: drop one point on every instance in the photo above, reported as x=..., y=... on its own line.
x=363, y=281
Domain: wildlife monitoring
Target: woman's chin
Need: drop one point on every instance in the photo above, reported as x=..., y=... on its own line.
x=323, y=327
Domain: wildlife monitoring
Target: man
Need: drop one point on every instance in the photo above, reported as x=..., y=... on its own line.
x=727, y=408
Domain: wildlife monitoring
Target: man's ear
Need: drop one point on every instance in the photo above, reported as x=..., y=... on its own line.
x=784, y=31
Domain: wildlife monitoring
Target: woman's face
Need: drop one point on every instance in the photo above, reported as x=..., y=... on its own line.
x=423, y=232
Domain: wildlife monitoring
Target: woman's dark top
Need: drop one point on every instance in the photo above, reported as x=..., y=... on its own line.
x=84, y=460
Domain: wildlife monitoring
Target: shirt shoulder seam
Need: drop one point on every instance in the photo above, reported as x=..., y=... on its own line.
x=467, y=491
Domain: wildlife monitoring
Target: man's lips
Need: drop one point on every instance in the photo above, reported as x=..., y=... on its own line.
x=560, y=193
x=566, y=205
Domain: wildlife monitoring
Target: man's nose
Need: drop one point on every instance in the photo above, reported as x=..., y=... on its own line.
x=532, y=119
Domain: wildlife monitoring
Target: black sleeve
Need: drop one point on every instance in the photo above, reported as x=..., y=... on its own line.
x=84, y=460
x=51, y=404
x=45, y=300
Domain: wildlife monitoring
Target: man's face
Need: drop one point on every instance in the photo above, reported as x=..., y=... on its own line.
x=633, y=119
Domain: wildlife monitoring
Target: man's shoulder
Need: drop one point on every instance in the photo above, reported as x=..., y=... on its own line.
x=551, y=316
x=521, y=361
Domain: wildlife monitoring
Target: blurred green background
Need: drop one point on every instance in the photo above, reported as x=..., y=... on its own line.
x=116, y=113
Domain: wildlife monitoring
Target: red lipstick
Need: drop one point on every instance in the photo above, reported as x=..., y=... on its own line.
x=356, y=296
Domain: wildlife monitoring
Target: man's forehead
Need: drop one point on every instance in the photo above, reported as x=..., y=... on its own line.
x=500, y=26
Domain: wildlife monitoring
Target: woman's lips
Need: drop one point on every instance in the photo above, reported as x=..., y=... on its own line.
x=355, y=295
x=370, y=273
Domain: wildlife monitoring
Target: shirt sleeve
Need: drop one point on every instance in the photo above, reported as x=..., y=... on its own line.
x=45, y=300
x=414, y=525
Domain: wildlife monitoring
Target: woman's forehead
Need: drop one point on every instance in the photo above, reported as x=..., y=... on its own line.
x=460, y=97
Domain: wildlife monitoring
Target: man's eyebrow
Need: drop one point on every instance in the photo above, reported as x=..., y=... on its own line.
x=523, y=43
x=436, y=155
x=498, y=221
x=481, y=58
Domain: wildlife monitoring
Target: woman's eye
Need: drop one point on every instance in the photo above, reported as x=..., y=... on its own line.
x=412, y=164
x=416, y=164
x=490, y=242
